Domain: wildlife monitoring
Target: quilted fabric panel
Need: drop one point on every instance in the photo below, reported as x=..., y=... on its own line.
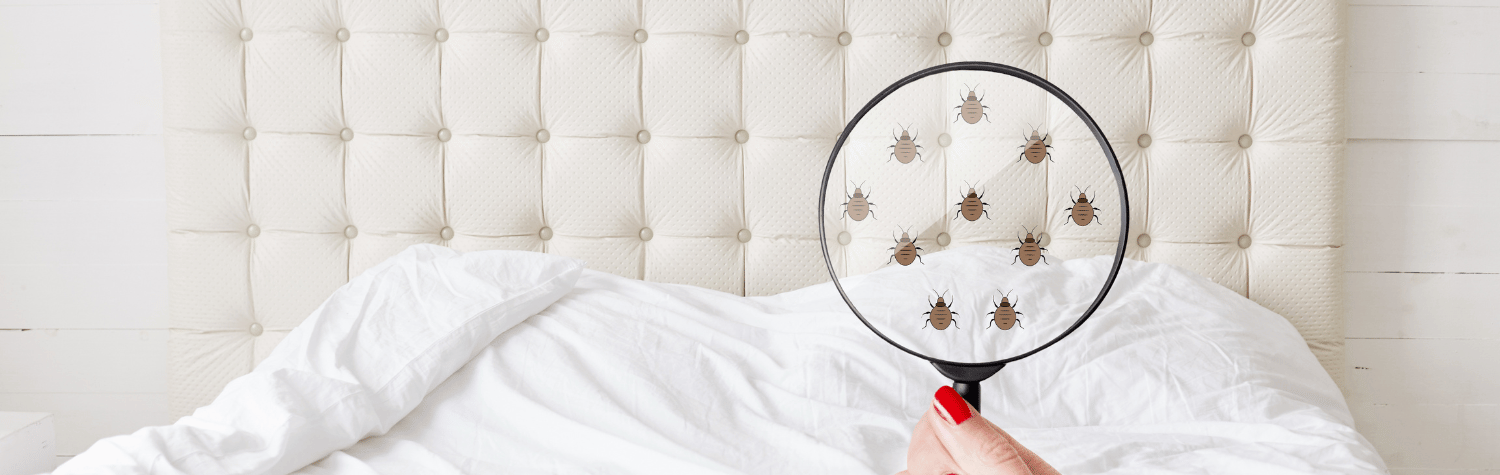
x=684, y=140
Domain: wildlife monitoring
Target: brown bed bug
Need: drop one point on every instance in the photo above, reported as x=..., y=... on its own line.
x=905, y=250
x=1005, y=314
x=906, y=147
x=1083, y=210
x=972, y=206
x=858, y=205
x=972, y=108
x=1030, y=251
x=941, y=314
x=1035, y=148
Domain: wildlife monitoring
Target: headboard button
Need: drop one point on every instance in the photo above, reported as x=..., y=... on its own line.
x=246, y=34
x=643, y=137
x=545, y=233
x=444, y=135
x=1045, y=39
x=641, y=36
x=446, y=233
x=249, y=133
x=1147, y=38
x=943, y=239
x=1244, y=241
x=742, y=136
x=256, y=329
x=1248, y=39
x=342, y=34
x=742, y=37
x=845, y=238
x=1144, y=140
x=744, y=235
x=1245, y=141
x=441, y=35
x=252, y=231
x=346, y=134
x=646, y=234
x=351, y=232
x=542, y=34
x=945, y=39
x=945, y=140
x=1044, y=239
x=845, y=38
x=1143, y=240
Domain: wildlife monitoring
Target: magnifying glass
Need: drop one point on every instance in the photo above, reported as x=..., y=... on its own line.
x=1002, y=162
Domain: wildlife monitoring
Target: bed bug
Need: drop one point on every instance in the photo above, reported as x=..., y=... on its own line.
x=941, y=314
x=905, y=148
x=1083, y=210
x=1030, y=251
x=1036, y=148
x=972, y=108
x=905, y=250
x=972, y=206
x=1005, y=314
x=858, y=205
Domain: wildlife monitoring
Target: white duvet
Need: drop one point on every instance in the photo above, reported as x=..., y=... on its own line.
x=437, y=362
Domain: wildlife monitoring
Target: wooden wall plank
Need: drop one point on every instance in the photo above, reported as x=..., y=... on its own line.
x=82, y=419
x=1421, y=206
x=80, y=69
x=83, y=176
x=1410, y=39
x=83, y=361
x=1408, y=305
x=82, y=168
x=1427, y=403
x=1430, y=106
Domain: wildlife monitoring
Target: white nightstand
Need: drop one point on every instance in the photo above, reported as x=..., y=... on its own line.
x=26, y=443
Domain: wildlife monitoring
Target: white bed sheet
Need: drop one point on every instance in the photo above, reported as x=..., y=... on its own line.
x=1174, y=374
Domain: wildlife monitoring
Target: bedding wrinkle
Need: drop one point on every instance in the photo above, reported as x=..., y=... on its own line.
x=575, y=371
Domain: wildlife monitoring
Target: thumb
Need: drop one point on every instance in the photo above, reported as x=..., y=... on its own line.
x=979, y=447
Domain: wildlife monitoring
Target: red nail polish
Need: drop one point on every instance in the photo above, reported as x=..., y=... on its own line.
x=954, y=404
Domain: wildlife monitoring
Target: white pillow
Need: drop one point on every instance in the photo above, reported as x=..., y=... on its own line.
x=359, y=364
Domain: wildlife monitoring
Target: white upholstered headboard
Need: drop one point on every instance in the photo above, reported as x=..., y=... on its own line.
x=683, y=141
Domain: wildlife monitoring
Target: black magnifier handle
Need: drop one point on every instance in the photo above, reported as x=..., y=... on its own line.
x=966, y=378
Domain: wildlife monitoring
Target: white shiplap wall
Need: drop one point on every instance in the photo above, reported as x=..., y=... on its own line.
x=1423, y=264
x=83, y=299
x=82, y=248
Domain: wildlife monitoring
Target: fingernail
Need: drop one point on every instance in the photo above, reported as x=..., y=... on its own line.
x=953, y=404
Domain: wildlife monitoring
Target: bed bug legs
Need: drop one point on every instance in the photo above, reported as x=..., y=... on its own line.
x=1035, y=147
x=905, y=250
x=941, y=314
x=972, y=108
x=906, y=147
x=858, y=205
x=972, y=206
x=1030, y=251
x=1005, y=314
x=1083, y=210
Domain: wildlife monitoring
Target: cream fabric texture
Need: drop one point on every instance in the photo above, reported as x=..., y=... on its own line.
x=684, y=141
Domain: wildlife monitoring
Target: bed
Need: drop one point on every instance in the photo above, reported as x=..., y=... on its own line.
x=681, y=142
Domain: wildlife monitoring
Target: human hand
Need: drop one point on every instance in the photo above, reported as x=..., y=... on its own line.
x=952, y=438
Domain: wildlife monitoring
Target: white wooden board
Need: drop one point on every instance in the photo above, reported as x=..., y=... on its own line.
x=1433, y=106
x=83, y=361
x=1428, y=403
x=1437, y=39
x=80, y=69
x=1411, y=305
x=1422, y=206
x=82, y=419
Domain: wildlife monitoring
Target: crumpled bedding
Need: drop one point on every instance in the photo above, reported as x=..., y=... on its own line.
x=513, y=362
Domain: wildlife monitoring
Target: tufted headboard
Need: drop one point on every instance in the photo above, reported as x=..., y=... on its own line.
x=683, y=141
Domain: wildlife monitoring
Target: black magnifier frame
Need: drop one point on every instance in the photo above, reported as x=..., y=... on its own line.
x=967, y=376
